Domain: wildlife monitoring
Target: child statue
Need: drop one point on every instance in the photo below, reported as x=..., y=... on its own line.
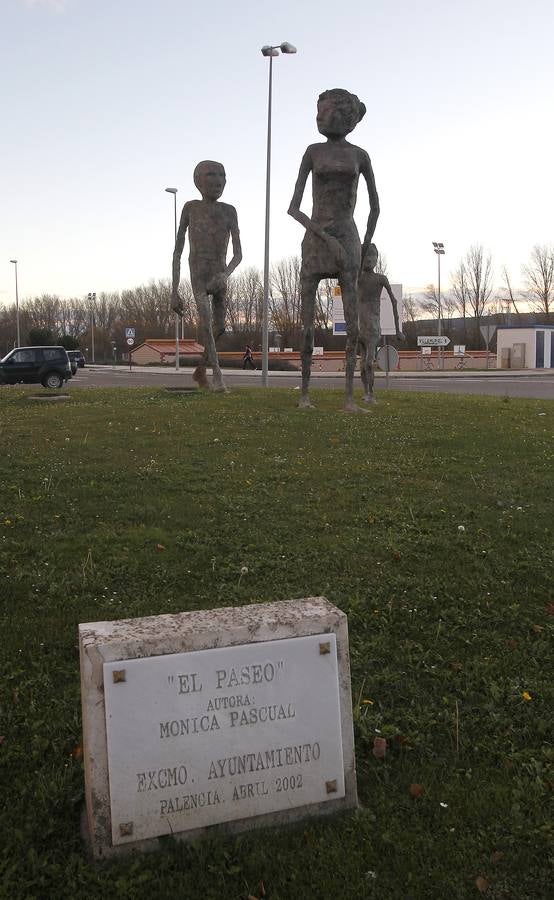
x=331, y=246
x=210, y=224
x=370, y=287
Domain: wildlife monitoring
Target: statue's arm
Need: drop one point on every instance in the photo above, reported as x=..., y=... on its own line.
x=367, y=171
x=394, y=305
x=179, y=245
x=235, y=240
x=294, y=209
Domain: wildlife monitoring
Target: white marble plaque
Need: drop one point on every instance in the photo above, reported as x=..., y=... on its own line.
x=215, y=735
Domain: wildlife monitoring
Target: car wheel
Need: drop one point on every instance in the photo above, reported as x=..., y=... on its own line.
x=53, y=380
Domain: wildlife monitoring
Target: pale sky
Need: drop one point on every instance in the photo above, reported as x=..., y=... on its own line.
x=104, y=103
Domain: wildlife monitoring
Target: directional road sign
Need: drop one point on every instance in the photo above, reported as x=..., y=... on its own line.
x=433, y=340
x=130, y=332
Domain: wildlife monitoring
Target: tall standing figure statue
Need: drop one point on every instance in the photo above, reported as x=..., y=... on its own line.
x=210, y=225
x=331, y=246
x=370, y=288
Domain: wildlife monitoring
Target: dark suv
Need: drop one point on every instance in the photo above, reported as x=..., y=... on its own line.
x=48, y=366
x=78, y=357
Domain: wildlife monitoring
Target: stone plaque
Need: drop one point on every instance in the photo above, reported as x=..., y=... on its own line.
x=215, y=735
x=223, y=719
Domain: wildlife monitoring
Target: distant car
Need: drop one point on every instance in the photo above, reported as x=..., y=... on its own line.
x=72, y=363
x=48, y=366
x=78, y=357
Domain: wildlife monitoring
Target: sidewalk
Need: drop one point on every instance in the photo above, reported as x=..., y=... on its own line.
x=255, y=374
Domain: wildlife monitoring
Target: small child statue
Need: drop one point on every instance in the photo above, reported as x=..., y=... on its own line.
x=210, y=225
x=370, y=287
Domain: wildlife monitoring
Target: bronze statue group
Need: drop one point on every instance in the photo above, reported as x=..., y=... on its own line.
x=331, y=248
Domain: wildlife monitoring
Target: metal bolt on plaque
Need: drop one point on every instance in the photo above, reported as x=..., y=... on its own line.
x=325, y=648
x=331, y=787
x=118, y=675
x=126, y=829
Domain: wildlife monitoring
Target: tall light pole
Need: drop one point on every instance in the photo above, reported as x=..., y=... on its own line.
x=270, y=51
x=91, y=305
x=174, y=192
x=14, y=261
x=438, y=247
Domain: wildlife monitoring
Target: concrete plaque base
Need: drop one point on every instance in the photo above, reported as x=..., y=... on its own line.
x=228, y=718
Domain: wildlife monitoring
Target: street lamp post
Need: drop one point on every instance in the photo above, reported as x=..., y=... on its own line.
x=92, y=304
x=14, y=261
x=269, y=51
x=438, y=247
x=174, y=192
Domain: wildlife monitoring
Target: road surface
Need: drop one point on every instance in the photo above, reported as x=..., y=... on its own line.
x=536, y=385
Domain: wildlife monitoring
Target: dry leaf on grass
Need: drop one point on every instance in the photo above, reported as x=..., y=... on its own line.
x=417, y=790
x=379, y=748
x=481, y=884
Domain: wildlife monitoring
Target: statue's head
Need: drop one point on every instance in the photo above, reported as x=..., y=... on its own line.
x=371, y=257
x=338, y=112
x=209, y=178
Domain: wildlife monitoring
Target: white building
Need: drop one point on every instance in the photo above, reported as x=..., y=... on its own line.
x=531, y=347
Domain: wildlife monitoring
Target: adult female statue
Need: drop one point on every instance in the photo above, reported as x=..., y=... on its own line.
x=331, y=246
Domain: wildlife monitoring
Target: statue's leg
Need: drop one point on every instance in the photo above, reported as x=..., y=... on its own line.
x=363, y=351
x=371, y=351
x=218, y=307
x=349, y=289
x=308, y=289
x=218, y=329
x=206, y=333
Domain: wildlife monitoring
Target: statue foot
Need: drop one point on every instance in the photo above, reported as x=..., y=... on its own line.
x=305, y=403
x=351, y=407
x=219, y=387
x=199, y=375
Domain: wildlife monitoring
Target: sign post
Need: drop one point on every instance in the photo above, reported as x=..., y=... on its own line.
x=387, y=358
x=433, y=340
x=130, y=334
x=488, y=332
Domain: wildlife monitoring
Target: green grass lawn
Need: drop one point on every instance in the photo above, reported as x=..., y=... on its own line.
x=429, y=521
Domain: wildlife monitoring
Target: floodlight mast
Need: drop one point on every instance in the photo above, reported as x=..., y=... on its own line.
x=177, y=354
x=438, y=247
x=270, y=51
x=14, y=261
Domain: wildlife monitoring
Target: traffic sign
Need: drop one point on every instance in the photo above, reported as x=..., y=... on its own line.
x=433, y=340
x=130, y=333
x=459, y=349
x=387, y=358
x=488, y=333
x=130, y=341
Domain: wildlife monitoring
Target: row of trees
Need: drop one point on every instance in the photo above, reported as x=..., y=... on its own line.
x=472, y=296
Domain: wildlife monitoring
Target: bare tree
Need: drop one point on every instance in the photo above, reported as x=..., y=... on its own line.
x=245, y=301
x=478, y=268
x=430, y=304
x=539, y=277
x=460, y=291
x=507, y=289
x=324, y=305
x=285, y=298
x=411, y=307
x=382, y=267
